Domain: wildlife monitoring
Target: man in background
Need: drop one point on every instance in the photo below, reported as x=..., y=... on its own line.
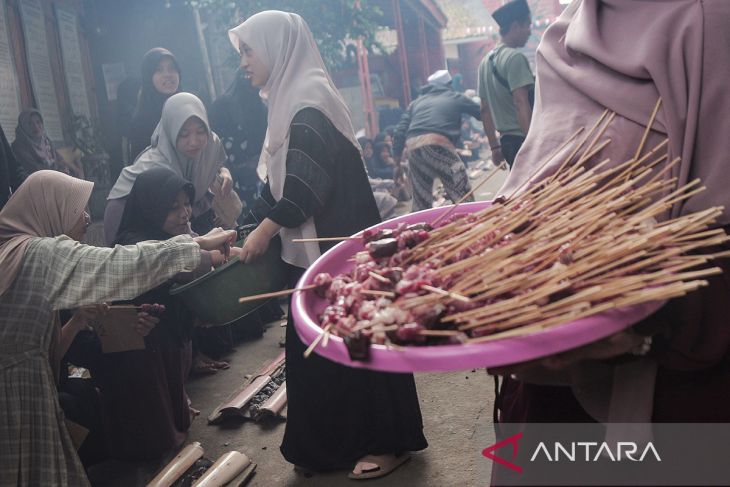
x=430, y=131
x=506, y=83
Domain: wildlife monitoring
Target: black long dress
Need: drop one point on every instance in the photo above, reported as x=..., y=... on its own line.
x=336, y=414
x=144, y=402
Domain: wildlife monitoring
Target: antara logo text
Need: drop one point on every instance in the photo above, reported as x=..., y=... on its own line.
x=576, y=451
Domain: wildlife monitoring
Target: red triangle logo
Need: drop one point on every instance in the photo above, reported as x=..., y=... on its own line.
x=487, y=452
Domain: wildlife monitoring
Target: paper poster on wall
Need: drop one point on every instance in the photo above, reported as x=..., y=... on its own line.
x=73, y=66
x=9, y=93
x=39, y=65
x=114, y=73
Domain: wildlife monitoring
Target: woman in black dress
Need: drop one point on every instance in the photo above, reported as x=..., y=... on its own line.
x=338, y=417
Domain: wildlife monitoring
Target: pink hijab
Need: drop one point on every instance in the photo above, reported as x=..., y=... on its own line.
x=623, y=55
x=47, y=204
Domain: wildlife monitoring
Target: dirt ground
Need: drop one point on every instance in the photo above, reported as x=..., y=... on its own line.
x=456, y=407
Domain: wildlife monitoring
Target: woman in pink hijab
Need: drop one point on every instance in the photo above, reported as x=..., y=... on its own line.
x=624, y=55
x=45, y=269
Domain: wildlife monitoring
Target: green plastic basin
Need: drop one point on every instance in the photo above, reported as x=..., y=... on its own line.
x=214, y=296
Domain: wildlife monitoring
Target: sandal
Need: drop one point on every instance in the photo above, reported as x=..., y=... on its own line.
x=204, y=369
x=383, y=465
x=219, y=365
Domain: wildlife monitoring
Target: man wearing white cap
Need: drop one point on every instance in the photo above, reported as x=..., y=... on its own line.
x=430, y=130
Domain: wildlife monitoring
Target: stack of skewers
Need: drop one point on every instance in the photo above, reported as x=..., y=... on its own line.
x=589, y=238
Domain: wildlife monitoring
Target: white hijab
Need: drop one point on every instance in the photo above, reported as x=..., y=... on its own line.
x=298, y=79
x=201, y=171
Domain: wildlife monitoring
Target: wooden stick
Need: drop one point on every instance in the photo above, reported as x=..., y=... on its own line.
x=467, y=195
x=315, y=342
x=648, y=128
x=547, y=160
x=439, y=333
x=450, y=294
x=373, y=292
x=380, y=278
x=275, y=294
x=323, y=239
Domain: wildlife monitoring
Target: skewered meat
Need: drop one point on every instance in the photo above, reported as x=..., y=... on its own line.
x=385, y=247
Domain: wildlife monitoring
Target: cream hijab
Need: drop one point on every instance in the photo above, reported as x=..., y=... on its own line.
x=200, y=171
x=47, y=204
x=298, y=79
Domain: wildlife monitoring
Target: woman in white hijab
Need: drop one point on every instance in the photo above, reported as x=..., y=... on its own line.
x=338, y=417
x=184, y=143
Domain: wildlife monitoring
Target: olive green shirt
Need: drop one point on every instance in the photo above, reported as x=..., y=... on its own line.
x=513, y=66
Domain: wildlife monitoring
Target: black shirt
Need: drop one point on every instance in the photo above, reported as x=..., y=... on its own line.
x=437, y=111
x=325, y=179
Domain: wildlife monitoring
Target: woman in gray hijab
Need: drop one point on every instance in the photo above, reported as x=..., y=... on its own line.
x=184, y=143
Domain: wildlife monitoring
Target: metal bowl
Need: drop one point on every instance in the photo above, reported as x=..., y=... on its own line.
x=214, y=296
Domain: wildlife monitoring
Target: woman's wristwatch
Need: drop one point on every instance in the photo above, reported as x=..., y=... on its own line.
x=642, y=348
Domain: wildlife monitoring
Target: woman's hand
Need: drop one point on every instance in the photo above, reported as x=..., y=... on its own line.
x=255, y=246
x=615, y=345
x=217, y=239
x=258, y=241
x=223, y=183
x=145, y=323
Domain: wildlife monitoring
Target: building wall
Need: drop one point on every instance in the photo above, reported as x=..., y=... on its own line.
x=27, y=93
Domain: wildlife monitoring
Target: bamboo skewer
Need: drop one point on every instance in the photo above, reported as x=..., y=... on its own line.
x=468, y=195
x=275, y=294
x=315, y=342
x=449, y=294
x=323, y=239
x=648, y=128
x=582, y=241
x=373, y=292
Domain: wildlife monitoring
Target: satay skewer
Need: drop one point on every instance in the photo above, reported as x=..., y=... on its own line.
x=324, y=239
x=275, y=294
x=315, y=342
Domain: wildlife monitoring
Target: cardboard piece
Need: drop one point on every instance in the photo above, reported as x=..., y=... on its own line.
x=116, y=331
x=77, y=433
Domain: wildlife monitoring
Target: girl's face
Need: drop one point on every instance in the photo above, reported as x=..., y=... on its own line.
x=388, y=139
x=178, y=215
x=78, y=232
x=384, y=153
x=253, y=66
x=166, y=78
x=367, y=151
x=192, y=138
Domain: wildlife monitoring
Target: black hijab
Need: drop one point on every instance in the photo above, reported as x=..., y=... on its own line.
x=150, y=102
x=9, y=172
x=240, y=114
x=148, y=204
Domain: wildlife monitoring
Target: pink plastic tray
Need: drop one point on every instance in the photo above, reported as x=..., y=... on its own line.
x=307, y=305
